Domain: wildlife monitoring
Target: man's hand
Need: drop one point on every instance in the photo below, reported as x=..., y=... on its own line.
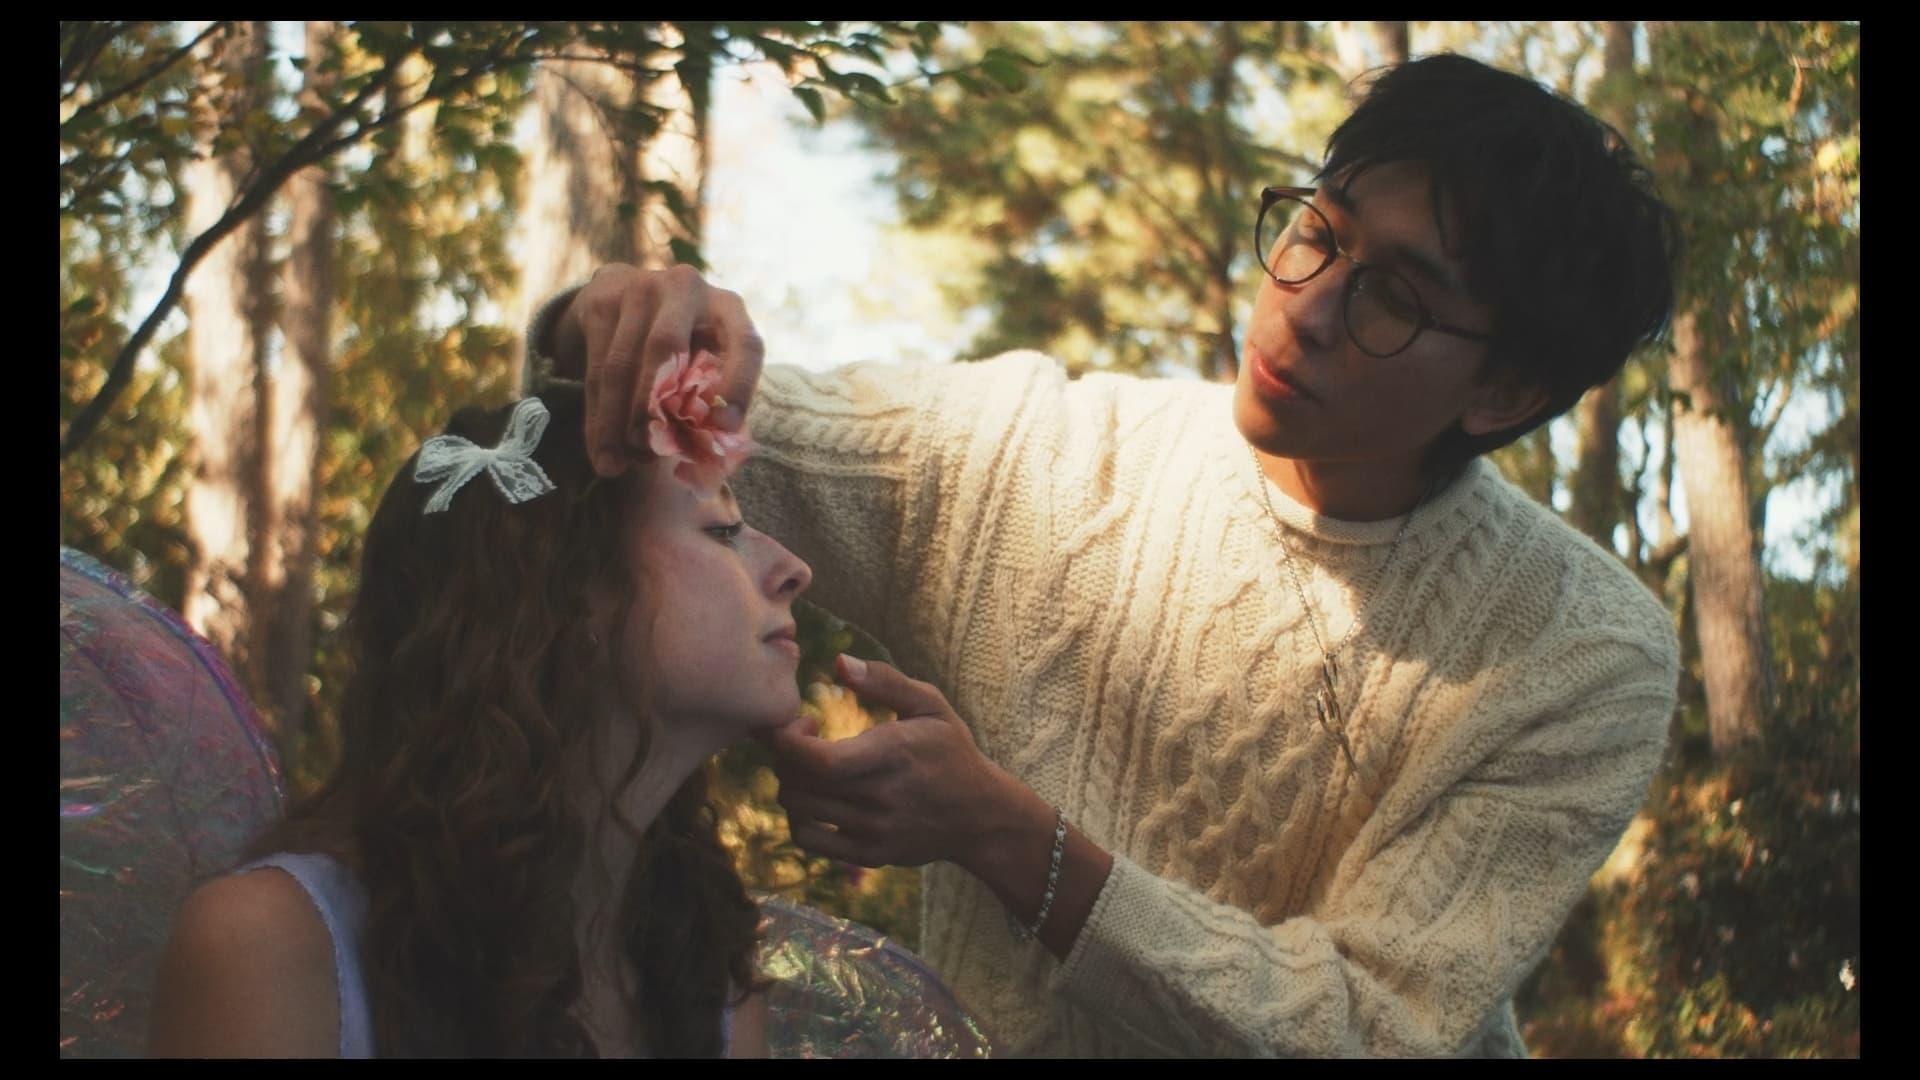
x=900, y=794
x=623, y=325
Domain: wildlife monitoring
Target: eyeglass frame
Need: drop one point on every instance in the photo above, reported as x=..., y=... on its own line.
x=1304, y=196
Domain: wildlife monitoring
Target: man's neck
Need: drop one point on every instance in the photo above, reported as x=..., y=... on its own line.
x=1349, y=491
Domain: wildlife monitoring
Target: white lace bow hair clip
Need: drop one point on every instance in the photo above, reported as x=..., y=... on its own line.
x=451, y=461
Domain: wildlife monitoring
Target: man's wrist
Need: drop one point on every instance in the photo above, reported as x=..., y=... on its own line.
x=1015, y=837
x=1012, y=855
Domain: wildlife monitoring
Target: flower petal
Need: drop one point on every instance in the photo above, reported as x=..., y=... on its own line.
x=666, y=381
x=661, y=438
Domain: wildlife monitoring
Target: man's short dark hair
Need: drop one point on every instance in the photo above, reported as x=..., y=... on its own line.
x=1561, y=231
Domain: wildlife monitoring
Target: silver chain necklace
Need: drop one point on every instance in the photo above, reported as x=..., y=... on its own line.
x=1326, y=698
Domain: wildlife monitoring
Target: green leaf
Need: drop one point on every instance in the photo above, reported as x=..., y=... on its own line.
x=1004, y=68
x=811, y=99
x=867, y=84
x=971, y=85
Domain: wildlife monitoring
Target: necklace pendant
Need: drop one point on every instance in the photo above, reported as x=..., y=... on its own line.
x=1329, y=708
x=1330, y=671
x=1346, y=749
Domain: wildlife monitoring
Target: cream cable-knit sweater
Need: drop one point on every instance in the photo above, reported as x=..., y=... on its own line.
x=1086, y=569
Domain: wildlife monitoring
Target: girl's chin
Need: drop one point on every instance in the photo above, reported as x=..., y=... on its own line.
x=776, y=715
x=734, y=724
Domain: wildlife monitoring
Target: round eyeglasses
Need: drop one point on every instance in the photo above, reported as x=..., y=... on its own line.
x=1295, y=244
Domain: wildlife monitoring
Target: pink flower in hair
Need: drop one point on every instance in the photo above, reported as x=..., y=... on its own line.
x=681, y=405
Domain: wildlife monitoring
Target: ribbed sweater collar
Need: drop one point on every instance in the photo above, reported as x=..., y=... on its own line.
x=1441, y=517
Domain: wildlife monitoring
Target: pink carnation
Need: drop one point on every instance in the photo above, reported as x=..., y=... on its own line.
x=680, y=407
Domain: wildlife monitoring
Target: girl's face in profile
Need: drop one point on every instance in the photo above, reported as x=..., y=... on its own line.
x=717, y=621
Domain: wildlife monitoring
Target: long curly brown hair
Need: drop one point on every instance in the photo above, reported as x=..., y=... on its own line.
x=479, y=667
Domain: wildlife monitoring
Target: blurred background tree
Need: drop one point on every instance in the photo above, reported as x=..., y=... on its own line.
x=340, y=279
x=352, y=219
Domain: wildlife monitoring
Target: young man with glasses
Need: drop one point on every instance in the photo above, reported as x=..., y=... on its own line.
x=1291, y=728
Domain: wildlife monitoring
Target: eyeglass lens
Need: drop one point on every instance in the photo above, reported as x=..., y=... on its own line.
x=1383, y=313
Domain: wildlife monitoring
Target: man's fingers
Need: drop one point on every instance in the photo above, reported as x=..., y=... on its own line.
x=886, y=685
x=802, y=725
x=821, y=761
x=613, y=370
x=633, y=323
x=742, y=353
x=820, y=840
x=683, y=297
x=808, y=805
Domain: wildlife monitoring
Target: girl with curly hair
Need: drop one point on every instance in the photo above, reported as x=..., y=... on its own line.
x=516, y=856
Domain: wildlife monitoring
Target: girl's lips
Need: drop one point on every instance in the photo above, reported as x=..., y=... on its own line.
x=1270, y=382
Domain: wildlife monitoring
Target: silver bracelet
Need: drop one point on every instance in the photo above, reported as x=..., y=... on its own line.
x=1026, y=933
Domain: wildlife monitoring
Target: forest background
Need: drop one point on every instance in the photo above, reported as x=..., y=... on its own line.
x=289, y=250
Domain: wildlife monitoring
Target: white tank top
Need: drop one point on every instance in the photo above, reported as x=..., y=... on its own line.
x=343, y=908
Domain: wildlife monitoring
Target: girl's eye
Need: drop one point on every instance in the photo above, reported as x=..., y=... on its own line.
x=727, y=534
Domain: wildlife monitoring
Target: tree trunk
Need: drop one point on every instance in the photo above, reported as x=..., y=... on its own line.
x=1393, y=38
x=297, y=415
x=1228, y=230
x=1723, y=563
x=1595, y=508
x=677, y=154
x=1664, y=528
x=1355, y=56
x=1723, y=568
x=570, y=222
x=1595, y=486
x=1350, y=56
x=583, y=167
x=224, y=345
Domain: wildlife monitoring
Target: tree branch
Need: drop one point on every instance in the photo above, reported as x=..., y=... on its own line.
x=1172, y=331
x=1305, y=165
x=387, y=117
x=98, y=177
x=1663, y=491
x=1633, y=490
x=170, y=60
x=629, y=168
x=309, y=149
x=1196, y=243
x=629, y=66
x=1764, y=431
x=1662, y=558
x=86, y=50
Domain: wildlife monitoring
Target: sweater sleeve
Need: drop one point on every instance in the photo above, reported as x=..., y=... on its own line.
x=876, y=474
x=1424, y=933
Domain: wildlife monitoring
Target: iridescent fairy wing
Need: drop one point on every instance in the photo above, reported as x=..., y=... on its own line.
x=842, y=990
x=165, y=775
